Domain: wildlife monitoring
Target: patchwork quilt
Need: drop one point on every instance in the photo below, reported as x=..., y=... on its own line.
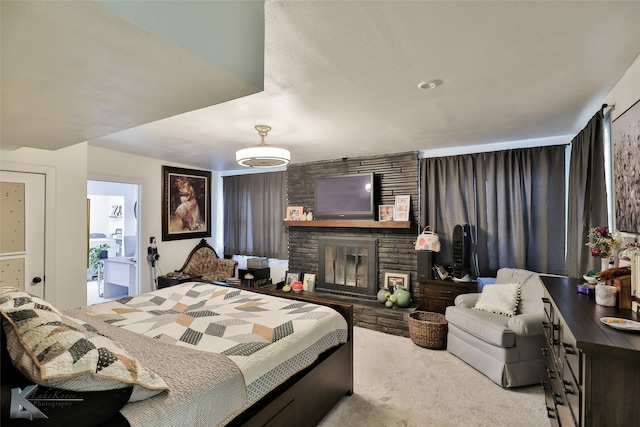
x=267, y=337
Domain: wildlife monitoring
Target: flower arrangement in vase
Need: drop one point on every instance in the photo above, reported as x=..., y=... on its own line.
x=603, y=244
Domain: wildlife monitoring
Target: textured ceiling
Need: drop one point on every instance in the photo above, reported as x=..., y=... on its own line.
x=340, y=78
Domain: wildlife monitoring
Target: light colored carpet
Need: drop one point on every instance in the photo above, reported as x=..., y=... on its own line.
x=398, y=383
x=93, y=294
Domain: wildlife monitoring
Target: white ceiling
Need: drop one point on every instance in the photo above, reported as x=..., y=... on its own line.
x=340, y=77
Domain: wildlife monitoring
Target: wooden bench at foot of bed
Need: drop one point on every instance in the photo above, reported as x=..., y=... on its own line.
x=304, y=399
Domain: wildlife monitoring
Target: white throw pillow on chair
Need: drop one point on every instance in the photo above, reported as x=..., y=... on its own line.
x=499, y=298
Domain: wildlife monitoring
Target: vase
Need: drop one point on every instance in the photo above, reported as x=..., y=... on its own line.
x=296, y=286
x=382, y=295
x=403, y=297
x=606, y=295
x=604, y=264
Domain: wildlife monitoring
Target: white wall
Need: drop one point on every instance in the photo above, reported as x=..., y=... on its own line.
x=147, y=172
x=623, y=95
x=626, y=92
x=66, y=218
x=101, y=221
x=130, y=195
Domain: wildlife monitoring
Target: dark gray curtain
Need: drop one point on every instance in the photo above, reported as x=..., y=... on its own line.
x=451, y=197
x=513, y=201
x=254, y=208
x=587, y=195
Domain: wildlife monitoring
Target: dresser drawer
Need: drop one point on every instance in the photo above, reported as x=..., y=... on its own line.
x=571, y=353
x=558, y=409
x=436, y=295
x=446, y=290
x=572, y=392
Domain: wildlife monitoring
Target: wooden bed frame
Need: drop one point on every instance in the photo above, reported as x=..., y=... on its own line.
x=305, y=399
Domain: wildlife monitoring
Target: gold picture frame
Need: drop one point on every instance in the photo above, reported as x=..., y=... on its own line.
x=186, y=203
x=294, y=213
x=392, y=280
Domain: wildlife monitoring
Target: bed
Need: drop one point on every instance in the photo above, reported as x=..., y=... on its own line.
x=193, y=354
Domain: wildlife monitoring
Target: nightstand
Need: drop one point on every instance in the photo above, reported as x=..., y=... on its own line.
x=166, y=281
x=436, y=295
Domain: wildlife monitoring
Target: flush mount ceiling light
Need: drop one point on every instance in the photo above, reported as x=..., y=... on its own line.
x=431, y=84
x=262, y=155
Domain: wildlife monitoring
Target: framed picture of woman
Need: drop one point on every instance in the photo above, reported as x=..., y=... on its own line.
x=186, y=203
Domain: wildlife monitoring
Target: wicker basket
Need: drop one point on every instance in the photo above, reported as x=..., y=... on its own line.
x=428, y=329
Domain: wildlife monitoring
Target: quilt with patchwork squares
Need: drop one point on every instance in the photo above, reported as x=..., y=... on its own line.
x=267, y=337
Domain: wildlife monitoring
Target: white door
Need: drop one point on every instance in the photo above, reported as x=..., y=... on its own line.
x=22, y=209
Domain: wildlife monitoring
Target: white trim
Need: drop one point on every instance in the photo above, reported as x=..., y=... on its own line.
x=497, y=146
x=140, y=182
x=49, y=173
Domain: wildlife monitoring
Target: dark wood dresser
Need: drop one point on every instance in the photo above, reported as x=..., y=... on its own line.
x=593, y=369
x=436, y=295
x=166, y=281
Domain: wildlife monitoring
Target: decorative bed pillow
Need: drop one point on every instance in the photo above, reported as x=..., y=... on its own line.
x=59, y=351
x=499, y=298
x=60, y=407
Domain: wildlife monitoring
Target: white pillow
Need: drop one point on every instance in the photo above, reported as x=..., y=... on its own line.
x=58, y=351
x=499, y=298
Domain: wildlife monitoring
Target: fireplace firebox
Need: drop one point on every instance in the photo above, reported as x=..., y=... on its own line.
x=348, y=266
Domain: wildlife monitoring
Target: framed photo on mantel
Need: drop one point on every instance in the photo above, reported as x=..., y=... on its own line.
x=385, y=212
x=309, y=282
x=393, y=280
x=292, y=276
x=401, y=211
x=294, y=213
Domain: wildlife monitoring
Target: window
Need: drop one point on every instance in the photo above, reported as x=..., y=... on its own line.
x=254, y=208
x=513, y=201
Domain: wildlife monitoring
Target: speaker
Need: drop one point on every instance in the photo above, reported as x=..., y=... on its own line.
x=461, y=246
x=425, y=264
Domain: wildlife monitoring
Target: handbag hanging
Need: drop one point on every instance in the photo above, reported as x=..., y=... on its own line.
x=428, y=240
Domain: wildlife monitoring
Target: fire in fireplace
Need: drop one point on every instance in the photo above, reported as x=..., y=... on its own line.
x=348, y=266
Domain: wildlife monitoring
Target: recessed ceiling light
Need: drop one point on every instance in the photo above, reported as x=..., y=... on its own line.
x=430, y=84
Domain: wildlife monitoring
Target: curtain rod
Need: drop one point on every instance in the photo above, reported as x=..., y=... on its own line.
x=613, y=106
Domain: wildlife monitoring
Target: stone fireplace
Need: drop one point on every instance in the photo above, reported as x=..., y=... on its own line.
x=348, y=266
x=393, y=248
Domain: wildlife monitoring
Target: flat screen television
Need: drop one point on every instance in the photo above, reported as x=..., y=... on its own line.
x=345, y=197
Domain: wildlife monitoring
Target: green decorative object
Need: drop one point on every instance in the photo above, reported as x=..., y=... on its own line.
x=403, y=297
x=381, y=296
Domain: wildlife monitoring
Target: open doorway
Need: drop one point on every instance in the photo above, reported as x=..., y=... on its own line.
x=114, y=235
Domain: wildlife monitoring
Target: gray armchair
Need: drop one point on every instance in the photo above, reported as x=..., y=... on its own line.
x=505, y=349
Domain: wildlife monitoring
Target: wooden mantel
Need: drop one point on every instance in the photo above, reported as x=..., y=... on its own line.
x=345, y=223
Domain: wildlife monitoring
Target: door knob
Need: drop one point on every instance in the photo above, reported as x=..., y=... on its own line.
x=36, y=280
